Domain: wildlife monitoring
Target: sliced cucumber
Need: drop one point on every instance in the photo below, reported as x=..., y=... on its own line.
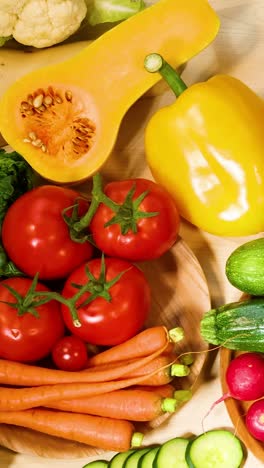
x=133, y=460
x=172, y=454
x=119, y=459
x=148, y=458
x=97, y=464
x=215, y=449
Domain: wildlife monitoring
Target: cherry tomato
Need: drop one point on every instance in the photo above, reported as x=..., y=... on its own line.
x=70, y=354
x=36, y=237
x=26, y=337
x=153, y=235
x=117, y=311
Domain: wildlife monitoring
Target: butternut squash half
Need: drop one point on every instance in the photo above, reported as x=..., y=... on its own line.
x=64, y=118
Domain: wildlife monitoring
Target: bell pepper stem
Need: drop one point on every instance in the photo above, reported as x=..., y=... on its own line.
x=155, y=63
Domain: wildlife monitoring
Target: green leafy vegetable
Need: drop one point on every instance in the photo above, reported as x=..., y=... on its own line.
x=3, y=40
x=111, y=11
x=16, y=178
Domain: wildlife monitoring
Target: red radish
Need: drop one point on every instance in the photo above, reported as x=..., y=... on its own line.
x=244, y=378
x=255, y=420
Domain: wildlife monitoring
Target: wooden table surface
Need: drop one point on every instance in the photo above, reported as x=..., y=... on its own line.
x=238, y=50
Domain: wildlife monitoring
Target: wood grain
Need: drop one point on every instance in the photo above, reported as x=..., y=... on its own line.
x=237, y=409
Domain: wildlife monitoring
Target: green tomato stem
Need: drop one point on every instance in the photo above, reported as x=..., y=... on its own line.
x=98, y=196
x=155, y=63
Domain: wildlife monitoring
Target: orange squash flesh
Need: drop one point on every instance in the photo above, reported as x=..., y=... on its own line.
x=104, y=79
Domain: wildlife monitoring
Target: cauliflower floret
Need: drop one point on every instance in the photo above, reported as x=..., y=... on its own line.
x=41, y=23
x=9, y=11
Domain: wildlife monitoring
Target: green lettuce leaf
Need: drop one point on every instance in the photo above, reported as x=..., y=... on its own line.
x=111, y=11
x=16, y=178
x=3, y=40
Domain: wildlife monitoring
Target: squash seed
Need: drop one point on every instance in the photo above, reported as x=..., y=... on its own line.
x=37, y=101
x=47, y=100
x=40, y=108
x=32, y=135
x=68, y=95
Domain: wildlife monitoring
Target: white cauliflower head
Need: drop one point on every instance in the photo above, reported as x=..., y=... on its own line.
x=41, y=23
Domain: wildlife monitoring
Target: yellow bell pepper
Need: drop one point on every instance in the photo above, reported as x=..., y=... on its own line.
x=207, y=149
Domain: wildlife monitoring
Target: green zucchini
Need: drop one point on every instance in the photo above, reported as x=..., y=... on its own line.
x=237, y=325
x=217, y=448
x=245, y=266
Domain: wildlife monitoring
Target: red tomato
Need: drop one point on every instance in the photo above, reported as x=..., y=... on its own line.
x=70, y=354
x=155, y=235
x=25, y=337
x=113, y=320
x=37, y=239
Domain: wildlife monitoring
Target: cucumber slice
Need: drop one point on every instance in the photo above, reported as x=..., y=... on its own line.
x=215, y=449
x=97, y=464
x=133, y=460
x=172, y=454
x=147, y=460
x=119, y=459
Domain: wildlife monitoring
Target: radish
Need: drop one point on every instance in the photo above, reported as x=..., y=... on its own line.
x=244, y=378
x=255, y=420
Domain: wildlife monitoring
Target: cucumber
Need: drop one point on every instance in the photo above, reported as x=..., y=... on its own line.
x=172, y=454
x=237, y=325
x=97, y=464
x=245, y=266
x=133, y=460
x=119, y=459
x=215, y=449
x=147, y=460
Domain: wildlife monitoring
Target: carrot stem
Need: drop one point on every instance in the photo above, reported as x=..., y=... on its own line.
x=168, y=405
x=179, y=370
x=137, y=439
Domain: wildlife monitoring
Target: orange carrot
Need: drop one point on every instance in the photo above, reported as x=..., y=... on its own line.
x=14, y=399
x=144, y=343
x=133, y=405
x=105, y=433
x=165, y=391
x=19, y=374
x=170, y=349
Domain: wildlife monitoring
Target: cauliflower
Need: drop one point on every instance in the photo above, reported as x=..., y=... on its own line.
x=40, y=23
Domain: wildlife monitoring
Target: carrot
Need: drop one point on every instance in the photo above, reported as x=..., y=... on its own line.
x=165, y=391
x=144, y=343
x=159, y=369
x=19, y=374
x=133, y=405
x=14, y=399
x=105, y=433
